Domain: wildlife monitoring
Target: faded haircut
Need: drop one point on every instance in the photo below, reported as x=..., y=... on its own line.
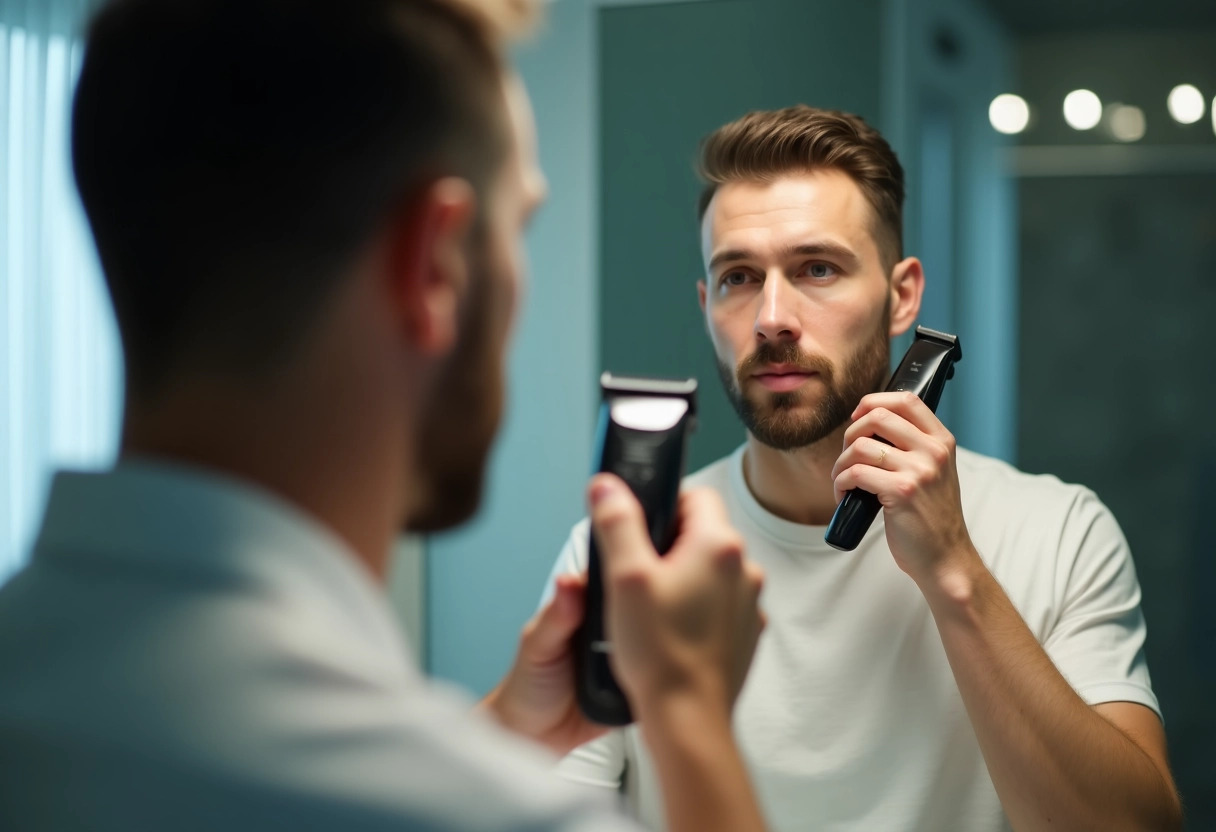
x=766, y=144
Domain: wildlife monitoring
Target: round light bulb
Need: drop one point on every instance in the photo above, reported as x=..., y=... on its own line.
x=1185, y=103
x=1009, y=114
x=1082, y=110
x=1127, y=123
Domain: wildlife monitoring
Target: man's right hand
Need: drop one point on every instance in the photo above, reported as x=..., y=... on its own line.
x=683, y=630
x=683, y=627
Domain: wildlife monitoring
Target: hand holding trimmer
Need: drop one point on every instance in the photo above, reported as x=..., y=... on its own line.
x=642, y=436
x=925, y=369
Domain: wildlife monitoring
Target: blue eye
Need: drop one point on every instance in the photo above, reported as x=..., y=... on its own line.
x=734, y=279
x=820, y=270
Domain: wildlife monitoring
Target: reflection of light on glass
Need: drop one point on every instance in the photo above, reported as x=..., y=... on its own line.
x=1009, y=113
x=1185, y=103
x=1127, y=123
x=1082, y=110
x=1214, y=115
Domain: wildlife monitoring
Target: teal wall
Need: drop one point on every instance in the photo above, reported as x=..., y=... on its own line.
x=670, y=74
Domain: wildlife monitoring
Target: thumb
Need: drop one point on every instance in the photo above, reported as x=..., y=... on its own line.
x=619, y=526
x=547, y=636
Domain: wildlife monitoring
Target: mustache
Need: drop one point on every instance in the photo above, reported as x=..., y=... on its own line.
x=785, y=352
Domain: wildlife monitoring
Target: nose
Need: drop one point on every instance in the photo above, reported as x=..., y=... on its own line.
x=776, y=321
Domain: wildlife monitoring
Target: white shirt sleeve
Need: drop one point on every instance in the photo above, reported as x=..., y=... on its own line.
x=600, y=763
x=1098, y=640
x=573, y=557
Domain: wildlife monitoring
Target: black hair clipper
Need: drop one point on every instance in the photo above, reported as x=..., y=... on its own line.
x=925, y=369
x=643, y=431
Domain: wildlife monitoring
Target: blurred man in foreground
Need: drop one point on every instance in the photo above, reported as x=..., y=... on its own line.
x=309, y=215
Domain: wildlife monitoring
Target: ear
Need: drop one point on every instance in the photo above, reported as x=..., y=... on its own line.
x=429, y=263
x=701, y=290
x=907, y=289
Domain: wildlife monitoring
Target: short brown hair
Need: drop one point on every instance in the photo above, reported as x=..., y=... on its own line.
x=231, y=155
x=765, y=144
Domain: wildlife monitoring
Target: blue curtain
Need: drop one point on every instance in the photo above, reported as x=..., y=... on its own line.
x=60, y=368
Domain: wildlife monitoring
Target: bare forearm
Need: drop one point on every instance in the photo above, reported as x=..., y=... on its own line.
x=705, y=785
x=1055, y=762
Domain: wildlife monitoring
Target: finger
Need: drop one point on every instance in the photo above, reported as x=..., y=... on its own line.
x=908, y=405
x=700, y=507
x=757, y=620
x=547, y=636
x=888, y=486
x=619, y=525
x=755, y=580
x=888, y=424
x=569, y=592
x=705, y=527
x=869, y=450
x=702, y=516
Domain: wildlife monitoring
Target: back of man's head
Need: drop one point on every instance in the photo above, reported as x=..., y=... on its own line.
x=232, y=156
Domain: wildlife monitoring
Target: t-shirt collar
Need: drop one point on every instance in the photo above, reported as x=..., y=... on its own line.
x=788, y=533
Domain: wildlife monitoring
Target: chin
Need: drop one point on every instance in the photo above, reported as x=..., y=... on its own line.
x=770, y=403
x=451, y=504
x=450, y=484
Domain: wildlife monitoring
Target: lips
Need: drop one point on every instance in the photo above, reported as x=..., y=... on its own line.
x=782, y=379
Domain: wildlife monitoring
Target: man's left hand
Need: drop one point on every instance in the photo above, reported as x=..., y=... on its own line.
x=537, y=698
x=914, y=477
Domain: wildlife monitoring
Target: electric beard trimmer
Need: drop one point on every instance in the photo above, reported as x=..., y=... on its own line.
x=925, y=369
x=643, y=431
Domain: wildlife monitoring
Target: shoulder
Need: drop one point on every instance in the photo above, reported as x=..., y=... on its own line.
x=996, y=489
x=1035, y=530
x=223, y=733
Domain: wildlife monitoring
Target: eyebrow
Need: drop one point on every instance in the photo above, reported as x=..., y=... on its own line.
x=834, y=250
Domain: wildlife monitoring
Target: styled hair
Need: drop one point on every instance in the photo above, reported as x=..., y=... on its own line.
x=766, y=144
x=233, y=155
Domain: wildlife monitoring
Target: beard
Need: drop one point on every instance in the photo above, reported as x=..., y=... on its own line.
x=781, y=420
x=461, y=418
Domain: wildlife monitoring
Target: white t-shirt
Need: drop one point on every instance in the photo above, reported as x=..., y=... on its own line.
x=185, y=652
x=851, y=718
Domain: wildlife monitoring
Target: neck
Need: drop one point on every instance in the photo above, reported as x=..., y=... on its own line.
x=331, y=445
x=794, y=485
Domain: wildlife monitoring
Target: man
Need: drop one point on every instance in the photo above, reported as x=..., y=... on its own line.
x=976, y=664
x=309, y=215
